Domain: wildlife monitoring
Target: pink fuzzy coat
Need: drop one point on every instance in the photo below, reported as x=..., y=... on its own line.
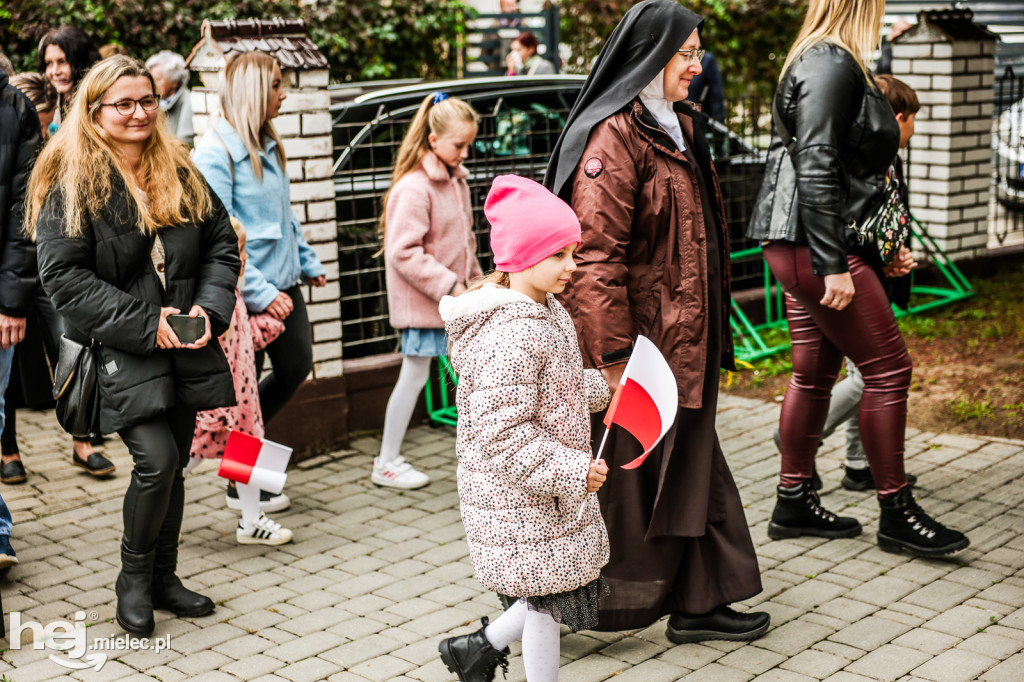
x=428, y=242
x=523, y=443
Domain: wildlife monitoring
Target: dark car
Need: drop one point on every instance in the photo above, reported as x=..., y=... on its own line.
x=520, y=121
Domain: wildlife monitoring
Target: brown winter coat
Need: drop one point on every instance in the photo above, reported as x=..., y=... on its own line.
x=643, y=260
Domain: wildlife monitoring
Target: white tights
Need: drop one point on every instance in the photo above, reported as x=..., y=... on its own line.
x=411, y=380
x=540, y=635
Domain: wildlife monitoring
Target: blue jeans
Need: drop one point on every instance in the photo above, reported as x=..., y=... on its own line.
x=6, y=356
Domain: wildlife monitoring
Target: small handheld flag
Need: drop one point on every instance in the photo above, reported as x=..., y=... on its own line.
x=254, y=465
x=645, y=403
x=647, y=399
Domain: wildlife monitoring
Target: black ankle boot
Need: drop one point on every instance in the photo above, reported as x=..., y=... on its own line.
x=798, y=511
x=168, y=592
x=134, y=598
x=472, y=657
x=904, y=525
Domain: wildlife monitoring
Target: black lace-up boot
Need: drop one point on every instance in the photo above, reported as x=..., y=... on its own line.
x=798, y=511
x=904, y=525
x=472, y=657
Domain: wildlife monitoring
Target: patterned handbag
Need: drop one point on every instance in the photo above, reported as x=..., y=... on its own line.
x=889, y=226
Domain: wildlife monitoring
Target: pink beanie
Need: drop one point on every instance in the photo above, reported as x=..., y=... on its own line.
x=528, y=223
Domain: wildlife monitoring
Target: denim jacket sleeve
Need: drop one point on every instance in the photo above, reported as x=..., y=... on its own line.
x=309, y=263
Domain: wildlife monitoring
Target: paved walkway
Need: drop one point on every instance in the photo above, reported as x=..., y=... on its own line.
x=376, y=578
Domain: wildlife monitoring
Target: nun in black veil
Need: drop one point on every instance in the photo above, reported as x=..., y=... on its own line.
x=634, y=164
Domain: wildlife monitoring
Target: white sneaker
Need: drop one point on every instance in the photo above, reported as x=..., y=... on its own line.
x=263, y=531
x=398, y=474
x=269, y=502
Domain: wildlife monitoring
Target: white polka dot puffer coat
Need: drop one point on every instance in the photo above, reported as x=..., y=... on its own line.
x=523, y=442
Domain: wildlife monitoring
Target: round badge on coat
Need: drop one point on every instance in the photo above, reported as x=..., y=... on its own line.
x=593, y=167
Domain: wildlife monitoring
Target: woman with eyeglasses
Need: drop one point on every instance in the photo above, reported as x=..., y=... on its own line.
x=128, y=234
x=832, y=176
x=634, y=165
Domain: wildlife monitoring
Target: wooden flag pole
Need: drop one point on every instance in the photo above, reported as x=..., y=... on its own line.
x=597, y=456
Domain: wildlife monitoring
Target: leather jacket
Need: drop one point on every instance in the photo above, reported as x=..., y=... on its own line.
x=845, y=137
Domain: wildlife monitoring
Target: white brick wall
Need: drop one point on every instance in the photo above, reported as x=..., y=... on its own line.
x=950, y=158
x=305, y=129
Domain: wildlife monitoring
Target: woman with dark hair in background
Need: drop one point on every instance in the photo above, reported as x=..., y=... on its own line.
x=65, y=54
x=634, y=165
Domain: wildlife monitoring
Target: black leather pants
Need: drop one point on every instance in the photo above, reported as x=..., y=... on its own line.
x=155, y=499
x=866, y=332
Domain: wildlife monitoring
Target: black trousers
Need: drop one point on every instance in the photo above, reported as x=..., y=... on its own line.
x=155, y=499
x=291, y=357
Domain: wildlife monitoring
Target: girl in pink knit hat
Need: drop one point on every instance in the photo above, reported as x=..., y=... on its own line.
x=429, y=251
x=525, y=463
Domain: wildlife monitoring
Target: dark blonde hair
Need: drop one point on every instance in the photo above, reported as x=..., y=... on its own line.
x=38, y=89
x=902, y=98
x=81, y=160
x=432, y=117
x=853, y=25
x=245, y=88
x=498, y=277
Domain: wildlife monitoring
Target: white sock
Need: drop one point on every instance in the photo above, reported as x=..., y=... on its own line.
x=541, y=647
x=508, y=627
x=411, y=380
x=193, y=462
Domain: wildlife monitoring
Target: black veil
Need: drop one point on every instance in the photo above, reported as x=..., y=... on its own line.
x=639, y=47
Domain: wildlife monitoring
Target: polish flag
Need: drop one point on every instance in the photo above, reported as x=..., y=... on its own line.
x=647, y=398
x=260, y=463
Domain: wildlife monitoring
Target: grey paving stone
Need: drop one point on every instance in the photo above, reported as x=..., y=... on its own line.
x=962, y=621
x=889, y=662
x=1008, y=671
x=383, y=668
x=955, y=665
x=752, y=659
x=993, y=645
x=870, y=633
x=715, y=672
x=794, y=636
x=815, y=664
x=252, y=667
x=304, y=647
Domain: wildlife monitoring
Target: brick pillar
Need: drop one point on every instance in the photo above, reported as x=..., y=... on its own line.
x=950, y=62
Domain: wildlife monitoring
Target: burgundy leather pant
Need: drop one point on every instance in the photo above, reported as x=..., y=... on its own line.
x=866, y=332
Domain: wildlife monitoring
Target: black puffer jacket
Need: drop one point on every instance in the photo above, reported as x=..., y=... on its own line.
x=20, y=137
x=846, y=135
x=106, y=288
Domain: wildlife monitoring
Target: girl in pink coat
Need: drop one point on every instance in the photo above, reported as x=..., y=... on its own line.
x=525, y=464
x=430, y=251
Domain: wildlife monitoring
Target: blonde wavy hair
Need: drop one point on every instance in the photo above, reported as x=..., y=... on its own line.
x=245, y=89
x=81, y=161
x=430, y=118
x=853, y=25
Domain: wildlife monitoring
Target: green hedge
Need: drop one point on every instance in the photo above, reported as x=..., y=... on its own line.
x=362, y=39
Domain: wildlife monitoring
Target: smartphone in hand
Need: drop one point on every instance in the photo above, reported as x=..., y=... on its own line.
x=187, y=329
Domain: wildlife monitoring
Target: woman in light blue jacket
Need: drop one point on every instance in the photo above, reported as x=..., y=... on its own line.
x=243, y=160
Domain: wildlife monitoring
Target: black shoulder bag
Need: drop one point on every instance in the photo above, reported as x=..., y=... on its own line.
x=76, y=388
x=888, y=226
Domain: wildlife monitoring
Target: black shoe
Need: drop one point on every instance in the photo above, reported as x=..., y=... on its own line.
x=798, y=511
x=12, y=472
x=95, y=465
x=134, y=592
x=904, y=525
x=170, y=595
x=722, y=623
x=861, y=479
x=815, y=478
x=472, y=657
x=168, y=592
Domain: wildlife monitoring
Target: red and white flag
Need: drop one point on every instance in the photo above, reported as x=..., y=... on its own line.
x=646, y=401
x=259, y=463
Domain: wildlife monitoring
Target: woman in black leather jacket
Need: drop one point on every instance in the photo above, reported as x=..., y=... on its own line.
x=845, y=136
